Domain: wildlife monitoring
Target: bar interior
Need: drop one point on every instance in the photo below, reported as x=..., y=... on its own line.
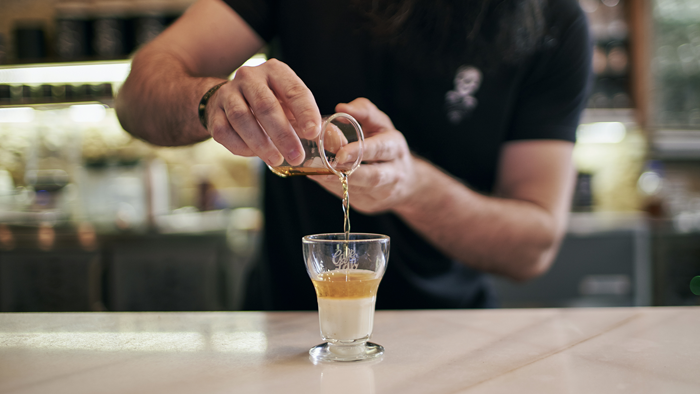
x=93, y=219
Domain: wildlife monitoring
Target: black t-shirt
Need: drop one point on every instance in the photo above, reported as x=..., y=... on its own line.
x=458, y=120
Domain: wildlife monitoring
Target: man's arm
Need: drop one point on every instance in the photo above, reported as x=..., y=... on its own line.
x=248, y=115
x=515, y=234
x=158, y=101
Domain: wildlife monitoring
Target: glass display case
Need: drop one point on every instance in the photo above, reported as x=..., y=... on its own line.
x=676, y=63
x=80, y=199
x=67, y=159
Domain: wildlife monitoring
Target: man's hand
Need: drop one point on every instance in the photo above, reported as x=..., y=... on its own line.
x=515, y=233
x=386, y=177
x=262, y=112
x=255, y=114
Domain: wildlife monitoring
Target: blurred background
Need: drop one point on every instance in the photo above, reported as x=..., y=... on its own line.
x=92, y=219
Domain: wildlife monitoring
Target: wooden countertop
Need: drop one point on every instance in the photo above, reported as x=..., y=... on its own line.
x=607, y=350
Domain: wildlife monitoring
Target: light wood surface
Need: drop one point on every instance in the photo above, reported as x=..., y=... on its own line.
x=607, y=350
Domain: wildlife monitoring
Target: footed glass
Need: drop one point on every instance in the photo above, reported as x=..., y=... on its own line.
x=346, y=276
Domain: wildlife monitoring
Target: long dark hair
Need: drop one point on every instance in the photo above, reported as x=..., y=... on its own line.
x=447, y=33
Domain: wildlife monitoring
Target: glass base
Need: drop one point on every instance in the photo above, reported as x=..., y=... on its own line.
x=326, y=352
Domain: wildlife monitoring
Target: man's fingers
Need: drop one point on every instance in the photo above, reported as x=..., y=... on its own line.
x=348, y=153
x=372, y=176
x=383, y=147
x=333, y=139
x=246, y=126
x=270, y=108
x=296, y=97
x=271, y=116
x=368, y=181
x=223, y=133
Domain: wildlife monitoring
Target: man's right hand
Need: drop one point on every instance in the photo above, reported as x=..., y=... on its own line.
x=263, y=112
x=255, y=114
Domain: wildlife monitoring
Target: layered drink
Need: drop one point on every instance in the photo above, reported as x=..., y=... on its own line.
x=346, y=269
x=346, y=301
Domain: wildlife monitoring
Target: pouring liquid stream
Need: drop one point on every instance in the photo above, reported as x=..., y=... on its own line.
x=346, y=220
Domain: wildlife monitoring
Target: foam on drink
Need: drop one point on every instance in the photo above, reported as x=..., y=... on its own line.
x=346, y=301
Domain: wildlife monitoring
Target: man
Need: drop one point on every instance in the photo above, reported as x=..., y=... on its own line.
x=469, y=109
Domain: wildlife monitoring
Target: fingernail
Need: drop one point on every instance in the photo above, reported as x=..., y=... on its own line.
x=345, y=157
x=310, y=130
x=275, y=160
x=294, y=155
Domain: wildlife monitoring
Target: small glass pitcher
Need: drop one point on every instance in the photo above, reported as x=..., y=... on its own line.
x=337, y=131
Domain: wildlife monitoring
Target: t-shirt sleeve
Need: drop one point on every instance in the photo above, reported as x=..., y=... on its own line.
x=257, y=13
x=554, y=92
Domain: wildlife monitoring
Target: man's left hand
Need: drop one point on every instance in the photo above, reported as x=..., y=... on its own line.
x=386, y=178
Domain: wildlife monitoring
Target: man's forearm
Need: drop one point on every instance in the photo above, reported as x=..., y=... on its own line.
x=158, y=102
x=510, y=237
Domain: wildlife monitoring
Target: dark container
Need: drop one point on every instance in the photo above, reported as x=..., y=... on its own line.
x=30, y=41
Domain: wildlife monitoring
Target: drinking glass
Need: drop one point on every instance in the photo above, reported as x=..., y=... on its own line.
x=337, y=131
x=346, y=275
